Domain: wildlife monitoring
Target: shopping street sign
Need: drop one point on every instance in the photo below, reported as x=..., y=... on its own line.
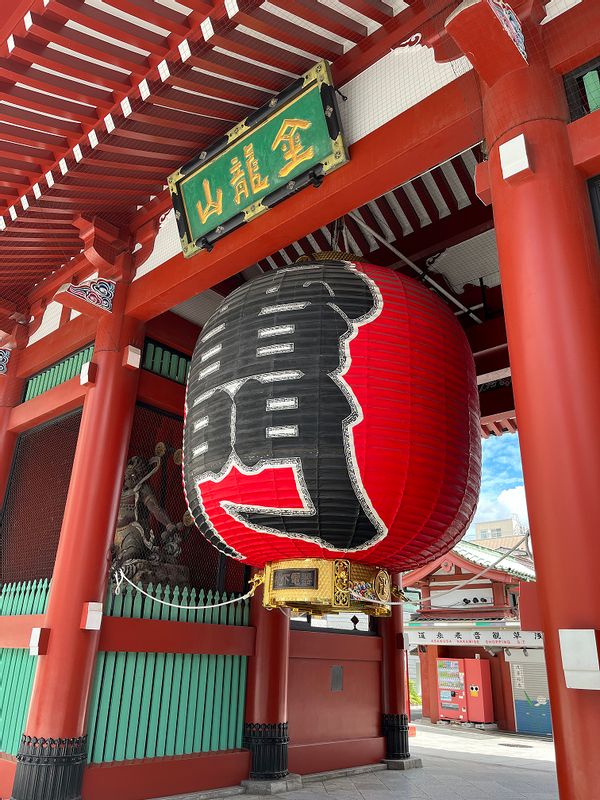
x=288, y=144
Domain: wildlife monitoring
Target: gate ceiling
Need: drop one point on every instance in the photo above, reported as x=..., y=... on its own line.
x=101, y=99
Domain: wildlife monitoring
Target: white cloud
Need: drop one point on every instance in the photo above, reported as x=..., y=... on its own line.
x=515, y=503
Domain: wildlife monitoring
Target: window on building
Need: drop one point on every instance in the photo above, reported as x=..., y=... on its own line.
x=484, y=534
x=496, y=533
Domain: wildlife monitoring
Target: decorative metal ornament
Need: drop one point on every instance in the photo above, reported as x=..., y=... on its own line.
x=99, y=292
x=4, y=359
x=332, y=415
x=319, y=586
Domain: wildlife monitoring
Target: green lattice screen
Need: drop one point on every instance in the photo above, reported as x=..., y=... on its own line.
x=58, y=373
x=17, y=667
x=165, y=361
x=147, y=705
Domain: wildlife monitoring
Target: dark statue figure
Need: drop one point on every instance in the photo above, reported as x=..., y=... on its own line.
x=143, y=554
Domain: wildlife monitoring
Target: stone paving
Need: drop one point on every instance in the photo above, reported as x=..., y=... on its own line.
x=457, y=765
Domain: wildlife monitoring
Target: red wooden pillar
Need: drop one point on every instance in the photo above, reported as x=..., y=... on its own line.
x=394, y=722
x=550, y=271
x=266, y=722
x=11, y=392
x=52, y=754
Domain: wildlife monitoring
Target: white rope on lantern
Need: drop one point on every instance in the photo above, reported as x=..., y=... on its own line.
x=120, y=576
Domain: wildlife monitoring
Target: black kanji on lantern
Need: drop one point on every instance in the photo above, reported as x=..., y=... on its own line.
x=266, y=389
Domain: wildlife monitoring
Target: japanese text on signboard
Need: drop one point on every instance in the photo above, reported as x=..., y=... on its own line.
x=256, y=161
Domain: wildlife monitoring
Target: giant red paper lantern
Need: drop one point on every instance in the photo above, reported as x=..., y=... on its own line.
x=332, y=410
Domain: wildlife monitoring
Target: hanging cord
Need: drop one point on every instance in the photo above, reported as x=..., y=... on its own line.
x=450, y=591
x=475, y=577
x=120, y=577
x=426, y=278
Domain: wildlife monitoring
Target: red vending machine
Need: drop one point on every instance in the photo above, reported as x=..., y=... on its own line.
x=451, y=689
x=465, y=690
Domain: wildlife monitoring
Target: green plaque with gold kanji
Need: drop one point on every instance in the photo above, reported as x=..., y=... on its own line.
x=292, y=142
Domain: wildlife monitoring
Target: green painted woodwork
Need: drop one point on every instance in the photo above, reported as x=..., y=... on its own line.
x=17, y=667
x=24, y=598
x=591, y=85
x=165, y=361
x=58, y=373
x=148, y=705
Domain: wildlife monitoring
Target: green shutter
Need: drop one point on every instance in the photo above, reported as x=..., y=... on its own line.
x=58, y=373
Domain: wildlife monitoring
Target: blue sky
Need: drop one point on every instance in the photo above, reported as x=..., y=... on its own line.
x=502, y=490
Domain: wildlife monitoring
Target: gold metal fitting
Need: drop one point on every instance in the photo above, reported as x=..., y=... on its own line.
x=319, y=586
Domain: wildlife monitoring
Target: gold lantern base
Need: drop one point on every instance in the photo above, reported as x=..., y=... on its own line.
x=317, y=586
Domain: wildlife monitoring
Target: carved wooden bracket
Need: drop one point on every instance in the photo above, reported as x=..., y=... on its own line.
x=103, y=246
x=93, y=297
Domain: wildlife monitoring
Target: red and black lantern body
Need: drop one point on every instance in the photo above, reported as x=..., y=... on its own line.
x=332, y=411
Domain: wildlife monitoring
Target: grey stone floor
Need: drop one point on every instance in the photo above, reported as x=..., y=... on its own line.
x=457, y=765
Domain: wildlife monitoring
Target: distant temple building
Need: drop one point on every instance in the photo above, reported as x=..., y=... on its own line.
x=479, y=665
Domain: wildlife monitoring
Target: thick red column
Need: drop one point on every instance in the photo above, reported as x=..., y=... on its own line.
x=61, y=688
x=266, y=725
x=550, y=272
x=11, y=392
x=394, y=685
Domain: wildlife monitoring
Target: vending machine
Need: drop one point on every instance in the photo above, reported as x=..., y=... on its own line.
x=465, y=690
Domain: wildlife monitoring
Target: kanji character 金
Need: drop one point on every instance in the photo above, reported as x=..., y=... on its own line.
x=293, y=150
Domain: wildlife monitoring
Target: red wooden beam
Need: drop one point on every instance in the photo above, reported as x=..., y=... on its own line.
x=53, y=31
x=584, y=137
x=444, y=123
x=325, y=17
x=371, y=220
x=15, y=71
x=174, y=331
x=465, y=178
x=67, y=339
x=449, y=231
x=444, y=187
x=497, y=403
x=234, y=69
x=34, y=52
x=426, y=199
x=249, y=47
x=372, y=9
x=489, y=337
x=161, y=392
x=162, y=16
x=110, y=25
x=389, y=216
x=574, y=37
x=288, y=33
x=53, y=403
x=15, y=632
x=129, y=635
x=408, y=209
x=130, y=780
x=325, y=646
